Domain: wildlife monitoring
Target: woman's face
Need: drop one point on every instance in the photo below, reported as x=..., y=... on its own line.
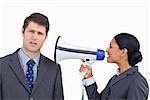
x=114, y=53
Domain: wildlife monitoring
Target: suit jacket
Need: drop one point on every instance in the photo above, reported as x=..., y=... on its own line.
x=13, y=85
x=130, y=85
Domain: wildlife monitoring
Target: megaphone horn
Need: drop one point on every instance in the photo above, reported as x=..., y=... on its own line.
x=64, y=50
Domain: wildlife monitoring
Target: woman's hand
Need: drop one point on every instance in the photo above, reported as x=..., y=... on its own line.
x=88, y=70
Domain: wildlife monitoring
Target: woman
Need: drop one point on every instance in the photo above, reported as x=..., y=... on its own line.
x=128, y=83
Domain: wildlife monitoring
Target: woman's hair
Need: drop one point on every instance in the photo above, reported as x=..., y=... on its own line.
x=130, y=42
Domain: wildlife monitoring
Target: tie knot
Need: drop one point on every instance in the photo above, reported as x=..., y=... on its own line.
x=31, y=63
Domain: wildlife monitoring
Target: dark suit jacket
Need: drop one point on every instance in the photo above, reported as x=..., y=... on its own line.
x=130, y=85
x=13, y=85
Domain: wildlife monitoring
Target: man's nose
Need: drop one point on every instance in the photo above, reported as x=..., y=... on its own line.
x=35, y=36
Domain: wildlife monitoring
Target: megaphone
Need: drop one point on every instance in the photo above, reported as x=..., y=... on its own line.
x=64, y=50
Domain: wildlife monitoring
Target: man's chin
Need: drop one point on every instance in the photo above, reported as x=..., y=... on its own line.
x=34, y=50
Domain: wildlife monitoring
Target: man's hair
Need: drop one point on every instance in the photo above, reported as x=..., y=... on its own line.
x=37, y=18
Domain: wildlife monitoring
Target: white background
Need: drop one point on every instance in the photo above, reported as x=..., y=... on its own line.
x=87, y=23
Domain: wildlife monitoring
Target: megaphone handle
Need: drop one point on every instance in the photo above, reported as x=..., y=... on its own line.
x=86, y=62
x=83, y=73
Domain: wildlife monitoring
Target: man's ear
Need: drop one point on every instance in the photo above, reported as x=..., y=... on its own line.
x=46, y=36
x=124, y=51
x=23, y=30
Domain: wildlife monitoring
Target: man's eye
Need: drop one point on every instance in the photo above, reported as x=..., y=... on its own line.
x=31, y=31
x=39, y=33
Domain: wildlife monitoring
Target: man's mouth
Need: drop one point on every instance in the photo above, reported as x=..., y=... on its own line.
x=33, y=43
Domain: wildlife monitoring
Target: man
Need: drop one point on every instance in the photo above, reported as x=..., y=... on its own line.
x=27, y=74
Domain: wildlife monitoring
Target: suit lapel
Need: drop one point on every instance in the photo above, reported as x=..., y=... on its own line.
x=42, y=71
x=17, y=69
x=123, y=75
x=117, y=79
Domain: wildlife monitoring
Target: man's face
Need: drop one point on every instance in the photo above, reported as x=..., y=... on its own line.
x=34, y=36
x=114, y=53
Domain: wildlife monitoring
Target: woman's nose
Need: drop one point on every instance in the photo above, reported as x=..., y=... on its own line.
x=107, y=50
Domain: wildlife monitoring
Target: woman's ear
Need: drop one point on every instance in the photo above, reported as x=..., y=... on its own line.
x=124, y=52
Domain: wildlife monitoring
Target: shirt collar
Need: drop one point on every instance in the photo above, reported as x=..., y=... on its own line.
x=25, y=58
x=118, y=72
